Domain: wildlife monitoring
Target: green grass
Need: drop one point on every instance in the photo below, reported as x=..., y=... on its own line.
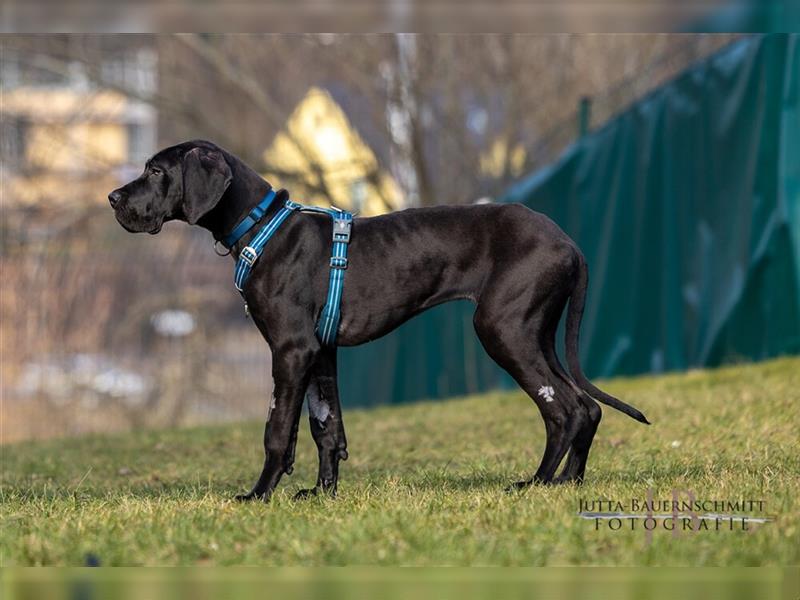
x=423, y=486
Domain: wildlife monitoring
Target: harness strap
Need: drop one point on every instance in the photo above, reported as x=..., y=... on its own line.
x=249, y=221
x=328, y=324
x=250, y=253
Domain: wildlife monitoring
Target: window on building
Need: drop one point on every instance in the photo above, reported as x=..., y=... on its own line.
x=9, y=70
x=12, y=141
x=134, y=70
x=141, y=142
x=358, y=195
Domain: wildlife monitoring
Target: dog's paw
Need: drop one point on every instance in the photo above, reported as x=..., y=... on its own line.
x=518, y=486
x=304, y=494
x=565, y=479
x=248, y=497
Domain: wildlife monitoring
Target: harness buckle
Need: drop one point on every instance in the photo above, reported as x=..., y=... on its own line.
x=341, y=230
x=338, y=262
x=248, y=255
x=292, y=205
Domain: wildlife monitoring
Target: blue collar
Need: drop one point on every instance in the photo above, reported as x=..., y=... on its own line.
x=249, y=221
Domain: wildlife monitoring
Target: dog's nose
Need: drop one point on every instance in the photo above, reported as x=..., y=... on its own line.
x=114, y=198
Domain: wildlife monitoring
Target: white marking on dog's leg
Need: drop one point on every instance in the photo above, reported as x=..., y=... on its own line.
x=318, y=409
x=271, y=405
x=547, y=392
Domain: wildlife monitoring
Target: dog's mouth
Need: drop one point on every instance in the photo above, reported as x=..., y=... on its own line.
x=127, y=226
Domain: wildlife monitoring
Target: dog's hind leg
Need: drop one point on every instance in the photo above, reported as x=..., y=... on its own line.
x=327, y=426
x=575, y=465
x=515, y=344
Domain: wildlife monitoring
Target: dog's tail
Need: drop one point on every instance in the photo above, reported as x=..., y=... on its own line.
x=574, y=316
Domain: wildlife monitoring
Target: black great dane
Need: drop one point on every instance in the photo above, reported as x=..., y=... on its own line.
x=516, y=265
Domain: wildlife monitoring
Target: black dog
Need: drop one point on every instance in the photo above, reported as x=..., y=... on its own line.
x=516, y=265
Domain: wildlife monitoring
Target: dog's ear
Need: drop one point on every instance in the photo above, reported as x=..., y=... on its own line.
x=206, y=176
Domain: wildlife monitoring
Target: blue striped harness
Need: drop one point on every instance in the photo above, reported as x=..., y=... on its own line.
x=328, y=324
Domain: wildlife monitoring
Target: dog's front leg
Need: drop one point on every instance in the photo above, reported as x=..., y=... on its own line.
x=327, y=426
x=291, y=373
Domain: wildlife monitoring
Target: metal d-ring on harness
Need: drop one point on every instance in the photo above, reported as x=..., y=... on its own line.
x=328, y=324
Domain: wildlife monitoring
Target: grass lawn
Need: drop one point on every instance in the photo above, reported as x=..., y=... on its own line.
x=424, y=485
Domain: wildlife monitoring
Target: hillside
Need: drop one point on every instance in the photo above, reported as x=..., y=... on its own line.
x=424, y=485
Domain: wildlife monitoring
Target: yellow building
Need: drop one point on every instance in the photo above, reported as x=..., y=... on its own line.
x=70, y=143
x=320, y=146
x=500, y=157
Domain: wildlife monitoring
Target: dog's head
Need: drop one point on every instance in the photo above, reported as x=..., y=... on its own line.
x=181, y=182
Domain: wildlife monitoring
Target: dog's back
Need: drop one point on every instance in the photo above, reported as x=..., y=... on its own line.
x=435, y=254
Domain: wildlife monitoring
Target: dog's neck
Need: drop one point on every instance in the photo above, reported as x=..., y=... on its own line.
x=246, y=190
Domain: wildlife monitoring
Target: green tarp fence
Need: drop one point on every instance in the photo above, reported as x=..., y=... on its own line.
x=687, y=208
x=767, y=16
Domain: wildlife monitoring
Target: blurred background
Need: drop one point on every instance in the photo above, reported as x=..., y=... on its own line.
x=672, y=159
x=424, y=16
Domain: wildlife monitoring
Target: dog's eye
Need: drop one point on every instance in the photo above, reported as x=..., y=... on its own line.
x=156, y=172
